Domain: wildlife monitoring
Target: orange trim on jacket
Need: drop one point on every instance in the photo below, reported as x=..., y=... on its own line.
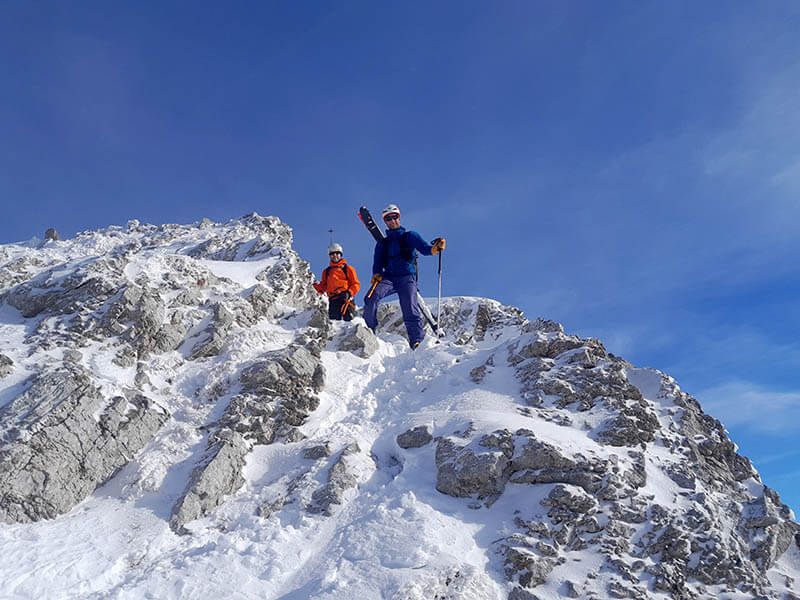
x=334, y=281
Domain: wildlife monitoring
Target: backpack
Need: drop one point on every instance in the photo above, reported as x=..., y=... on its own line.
x=344, y=270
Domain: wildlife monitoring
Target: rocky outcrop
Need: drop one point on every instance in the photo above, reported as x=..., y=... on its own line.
x=340, y=479
x=359, y=340
x=62, y=438
x=415, y=437
x=144, y=300
x=218, y=476
x=278, y=393
x=465, y=320
x=6, y=365
x=589, y=478
x=598, y=499
x=482, y=467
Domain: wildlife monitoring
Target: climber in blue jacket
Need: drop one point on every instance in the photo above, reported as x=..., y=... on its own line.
x=394, y=271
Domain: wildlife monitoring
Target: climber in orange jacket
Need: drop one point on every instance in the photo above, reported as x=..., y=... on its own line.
x=340, y=282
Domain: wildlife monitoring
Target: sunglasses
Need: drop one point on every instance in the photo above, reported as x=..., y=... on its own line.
x=332, y=253
x=388, y=218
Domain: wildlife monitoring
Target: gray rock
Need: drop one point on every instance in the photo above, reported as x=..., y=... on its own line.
x=525, y=567
x=681, y=474
x=491, y=317
x=415, y=438
x=6, y=366
x=51, y=235
x=482, y=468
x=712, y=455
x=531, y=453
x=672, y=545
x=539, y=462
x=56, y=452
x=478, y=374
x=317, y=452
x=545, y=326
x=278, y=394
x=568, y=503
x=87, y=287
x=254, y=418
x=284, y=373
x=218, y=476
x=73, y=356
x=572, y=590
x=262, y=299
x=471, y=470
x=635, y=425
x=340, y=479
x=359, y=340
x=215, y=336
x=282, y=387
x=518, y=593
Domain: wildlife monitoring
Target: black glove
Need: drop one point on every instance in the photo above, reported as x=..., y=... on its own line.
x=346, y=295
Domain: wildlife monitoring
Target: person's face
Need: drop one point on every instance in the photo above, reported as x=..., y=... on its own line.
x=392, y=220
x=335, y=256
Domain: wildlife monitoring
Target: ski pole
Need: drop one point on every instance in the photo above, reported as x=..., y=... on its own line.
x=439, y=300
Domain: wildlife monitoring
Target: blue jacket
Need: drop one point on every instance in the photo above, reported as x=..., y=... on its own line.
x=395, y=255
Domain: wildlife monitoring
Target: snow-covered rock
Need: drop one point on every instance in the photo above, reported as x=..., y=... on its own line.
x=175, y=406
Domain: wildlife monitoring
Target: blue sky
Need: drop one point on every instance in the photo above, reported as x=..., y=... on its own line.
x=630, y=169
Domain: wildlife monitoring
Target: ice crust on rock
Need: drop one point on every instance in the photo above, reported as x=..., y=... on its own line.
x=175, y=404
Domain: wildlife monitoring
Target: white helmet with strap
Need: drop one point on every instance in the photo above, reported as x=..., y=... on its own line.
x=335, y=248
x=390, y=210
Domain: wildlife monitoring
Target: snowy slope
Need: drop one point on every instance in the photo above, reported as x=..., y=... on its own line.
x=543, y=467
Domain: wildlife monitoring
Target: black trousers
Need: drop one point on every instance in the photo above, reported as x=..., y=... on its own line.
x=335, y=304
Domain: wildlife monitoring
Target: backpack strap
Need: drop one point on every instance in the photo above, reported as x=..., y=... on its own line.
x=344, y=270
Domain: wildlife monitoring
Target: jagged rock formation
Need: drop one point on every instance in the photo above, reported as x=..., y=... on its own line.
x=191, y=374
x=145, y=301
x=278, y=393
x=722, y=536
x=56, y=450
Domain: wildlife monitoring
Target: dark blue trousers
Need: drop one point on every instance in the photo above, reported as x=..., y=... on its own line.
x=406, y=289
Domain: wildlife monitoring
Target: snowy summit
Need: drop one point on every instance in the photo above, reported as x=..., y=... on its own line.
x=179, y=419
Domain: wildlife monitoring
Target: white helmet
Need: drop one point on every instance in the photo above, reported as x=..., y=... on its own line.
x=390, y=210
x=335, y=248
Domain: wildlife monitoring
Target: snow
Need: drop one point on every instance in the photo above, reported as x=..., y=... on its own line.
x=121, y=545
x=243, y=273
x=393, y=533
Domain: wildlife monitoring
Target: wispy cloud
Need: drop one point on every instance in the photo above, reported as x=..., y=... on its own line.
x=746, y=405
x=768, y=459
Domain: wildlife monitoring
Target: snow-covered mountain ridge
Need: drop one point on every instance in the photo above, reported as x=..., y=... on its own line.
x=180, y=420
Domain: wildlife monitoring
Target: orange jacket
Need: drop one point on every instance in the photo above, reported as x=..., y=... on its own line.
x=338, y=277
